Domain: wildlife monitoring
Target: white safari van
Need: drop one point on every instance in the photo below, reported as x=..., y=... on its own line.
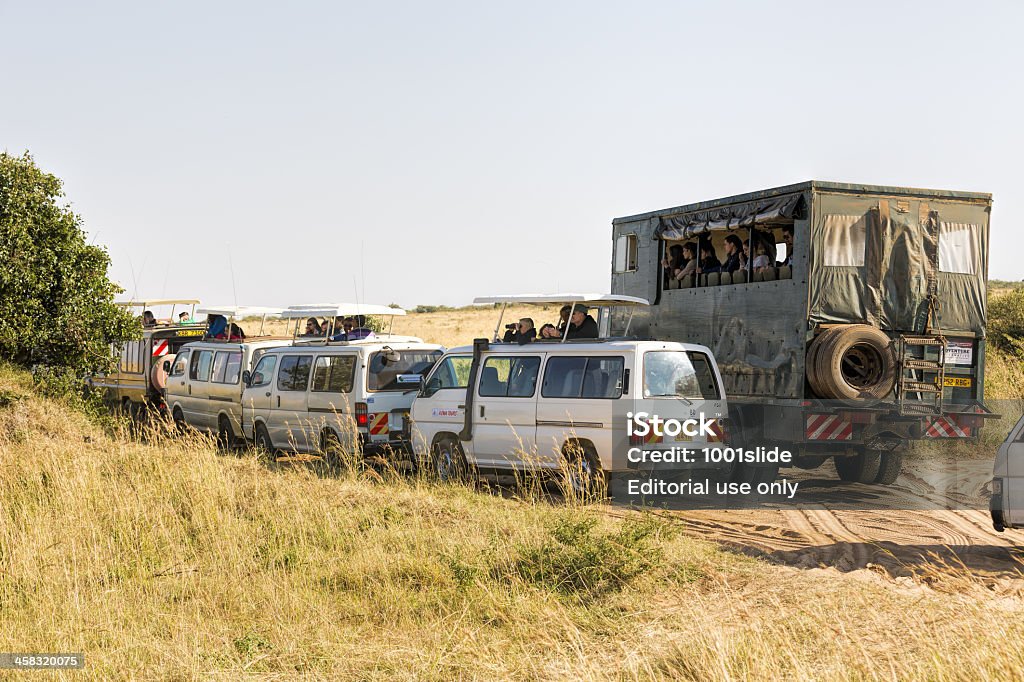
x=544, y=404
x=204, y=380
x=319, y=393
x=1007, y=503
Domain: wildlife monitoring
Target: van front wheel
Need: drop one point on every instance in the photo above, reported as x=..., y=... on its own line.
x=450, y=461
x=264, y=446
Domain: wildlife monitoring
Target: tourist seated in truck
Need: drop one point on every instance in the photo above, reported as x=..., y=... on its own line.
x=690, y=261
x=673, y=262
x=762, y=261
x=581, y=324
x=708, y=260
x=523, y=333
x=148, y=318
x=787, y=239
x=234, y=333
x=733, y=249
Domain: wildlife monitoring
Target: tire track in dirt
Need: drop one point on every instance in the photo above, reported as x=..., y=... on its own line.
x=907, y=529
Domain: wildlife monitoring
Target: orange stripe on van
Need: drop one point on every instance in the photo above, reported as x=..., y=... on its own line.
x=378, y=423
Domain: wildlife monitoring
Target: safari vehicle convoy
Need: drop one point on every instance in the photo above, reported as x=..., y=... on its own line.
x=139, y=378
x=553, y=403
x=321, y=396
x=203, y=385
x=848, y=319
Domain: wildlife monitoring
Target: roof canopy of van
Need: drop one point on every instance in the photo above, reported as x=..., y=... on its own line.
x=146, y=303
x=338, y=310
x=238, y=311
x=590, y=300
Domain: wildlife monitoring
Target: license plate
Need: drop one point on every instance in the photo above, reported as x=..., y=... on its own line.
x=957, y=382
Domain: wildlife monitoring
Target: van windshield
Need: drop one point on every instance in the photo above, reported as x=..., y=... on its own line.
x=385, y=375
x=679, y=374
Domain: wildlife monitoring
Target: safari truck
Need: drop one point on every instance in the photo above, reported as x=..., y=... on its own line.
x=856, y=326
x=139, y=379
x=204, y=380
x=321, y=395
x=552, y=404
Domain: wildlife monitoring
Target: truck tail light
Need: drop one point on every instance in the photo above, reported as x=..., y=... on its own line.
x=362, y=415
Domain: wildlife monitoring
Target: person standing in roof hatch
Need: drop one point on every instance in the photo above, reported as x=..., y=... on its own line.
x=360, y=331
x=581, y=324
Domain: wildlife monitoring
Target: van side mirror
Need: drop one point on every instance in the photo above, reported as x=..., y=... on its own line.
x=167, y=366
x=430, y=388
x=246, y=377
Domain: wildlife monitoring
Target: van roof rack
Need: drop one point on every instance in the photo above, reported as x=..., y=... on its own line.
x=238, y=312
x=336, y=310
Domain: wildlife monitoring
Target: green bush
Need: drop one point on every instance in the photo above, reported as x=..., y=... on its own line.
x=575, y=561
x=56, y=303
x=1006, y=322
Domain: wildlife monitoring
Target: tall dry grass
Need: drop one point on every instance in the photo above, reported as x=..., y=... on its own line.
x=160, y=558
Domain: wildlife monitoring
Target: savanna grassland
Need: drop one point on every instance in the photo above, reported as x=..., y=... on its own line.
x=159, y=557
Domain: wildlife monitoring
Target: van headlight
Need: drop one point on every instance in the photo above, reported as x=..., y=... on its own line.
x=997, y=486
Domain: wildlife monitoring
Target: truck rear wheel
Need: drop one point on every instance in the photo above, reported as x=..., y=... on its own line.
x=860, y=468
x=856, y=361
x=889, y=469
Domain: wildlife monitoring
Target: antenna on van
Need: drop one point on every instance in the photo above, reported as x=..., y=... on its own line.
x=135, y=282
x=231, y=266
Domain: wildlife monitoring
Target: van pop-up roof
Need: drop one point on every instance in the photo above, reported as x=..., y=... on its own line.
x=239, y=312
x=335, y=310
x=589, y=300
x=148, y=304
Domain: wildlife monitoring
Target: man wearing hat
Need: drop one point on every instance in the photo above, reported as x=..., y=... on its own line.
x=581, y=324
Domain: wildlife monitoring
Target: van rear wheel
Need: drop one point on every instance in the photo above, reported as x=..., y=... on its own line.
x=584, y=479
x=330, y=448
x=225, y=434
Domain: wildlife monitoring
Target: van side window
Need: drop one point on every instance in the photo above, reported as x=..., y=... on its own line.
x=199, y=370
x=580, y=377
x=679, y=374
x=294, y=373
x=180, y=363
x=264, y=372
x=227, y=366
x=451, y=372
x=334, y=374
x=509, y=377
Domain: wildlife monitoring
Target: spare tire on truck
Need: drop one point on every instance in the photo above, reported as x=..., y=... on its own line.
x=852, y=362
x=157, y=375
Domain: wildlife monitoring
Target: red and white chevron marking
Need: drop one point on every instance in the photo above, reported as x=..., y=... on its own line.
x=946, y=427
x=160, y=347
x=828, y=427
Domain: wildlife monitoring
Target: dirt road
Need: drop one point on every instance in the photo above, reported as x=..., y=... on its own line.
x=906, y=531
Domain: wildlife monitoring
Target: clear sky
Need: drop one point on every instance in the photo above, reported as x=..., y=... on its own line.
x=427, y=152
